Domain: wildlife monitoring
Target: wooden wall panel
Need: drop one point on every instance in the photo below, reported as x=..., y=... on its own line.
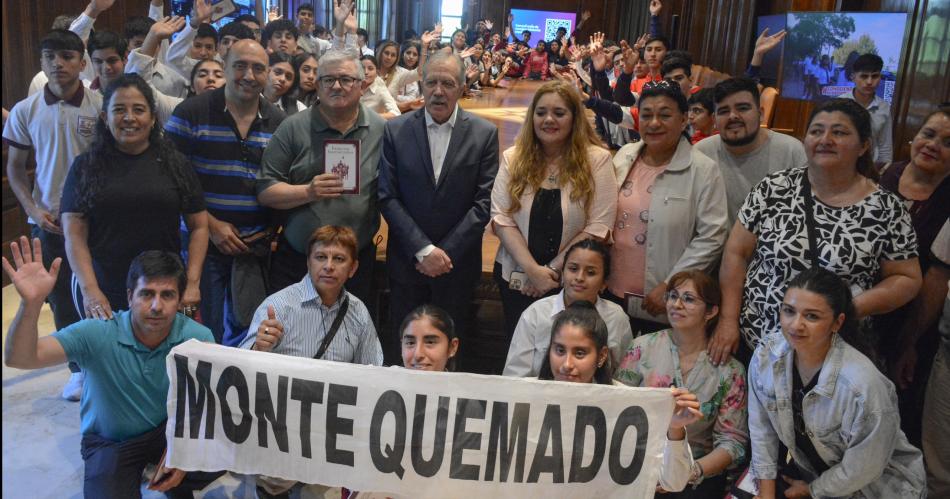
x=26, y=21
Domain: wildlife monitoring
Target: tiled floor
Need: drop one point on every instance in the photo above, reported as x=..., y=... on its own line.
x=41, y=433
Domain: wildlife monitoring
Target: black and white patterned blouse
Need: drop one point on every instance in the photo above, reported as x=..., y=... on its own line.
x=851, y=242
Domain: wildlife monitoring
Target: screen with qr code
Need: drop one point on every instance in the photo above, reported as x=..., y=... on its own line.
x=542, y=24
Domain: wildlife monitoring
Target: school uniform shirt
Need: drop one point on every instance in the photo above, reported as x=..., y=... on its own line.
x=532, y=335
x=57, y=130
x=378, y=98
x=881, y=126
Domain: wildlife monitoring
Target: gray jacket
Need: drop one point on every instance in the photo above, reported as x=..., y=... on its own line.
x=852, y=420
x=688, y=218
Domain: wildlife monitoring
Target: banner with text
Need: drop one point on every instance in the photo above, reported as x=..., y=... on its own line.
x=410, y=433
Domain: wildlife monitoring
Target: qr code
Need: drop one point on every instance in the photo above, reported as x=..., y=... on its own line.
x=551, y=26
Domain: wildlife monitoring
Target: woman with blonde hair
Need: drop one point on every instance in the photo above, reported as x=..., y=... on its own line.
x=554, y=187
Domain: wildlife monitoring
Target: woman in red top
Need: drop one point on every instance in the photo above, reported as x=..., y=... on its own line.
x=536, y=63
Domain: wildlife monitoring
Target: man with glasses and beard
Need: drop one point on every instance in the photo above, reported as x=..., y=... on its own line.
x=745, y=151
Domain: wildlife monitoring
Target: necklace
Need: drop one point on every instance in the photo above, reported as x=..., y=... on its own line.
x=552, y=177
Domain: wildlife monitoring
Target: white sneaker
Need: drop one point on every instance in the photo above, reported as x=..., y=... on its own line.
x=73, y=389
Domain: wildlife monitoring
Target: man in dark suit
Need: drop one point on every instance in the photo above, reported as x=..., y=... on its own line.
x=435, y=178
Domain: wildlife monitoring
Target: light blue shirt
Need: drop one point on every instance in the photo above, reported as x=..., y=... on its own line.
x=306, y=321
x=851, y=417
x=124, y=394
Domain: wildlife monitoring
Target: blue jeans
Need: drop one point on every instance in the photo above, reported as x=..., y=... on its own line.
x=217, y=312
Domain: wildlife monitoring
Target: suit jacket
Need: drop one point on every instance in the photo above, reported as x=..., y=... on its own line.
x=451, y=213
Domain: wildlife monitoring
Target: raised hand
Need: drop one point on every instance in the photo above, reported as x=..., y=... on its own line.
x=489, y=25
x=202, y=12
x=97, y=7
x=427, y=37
x=167, y=26
x=766, y=43
x=642, y=42
x=507, y=32
x=655, y=7
x=511, y=17
x=471, y=72
x=30, y=278
x=467, y=52
x=342, y=10
x=273, y=14
x=585, y=15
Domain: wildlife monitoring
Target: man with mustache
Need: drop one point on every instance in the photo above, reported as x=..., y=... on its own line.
x=435, y=178
x=123, y=408
x=224, y=132
x=294, y=178
x=745, y=151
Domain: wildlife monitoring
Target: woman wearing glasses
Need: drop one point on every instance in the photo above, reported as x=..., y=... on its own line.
x=814, y=392
x=677, y=357
x=671, y=211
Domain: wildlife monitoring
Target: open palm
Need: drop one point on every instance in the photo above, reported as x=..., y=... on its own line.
x=30, y=278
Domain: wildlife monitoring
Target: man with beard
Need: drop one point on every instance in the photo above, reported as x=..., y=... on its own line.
x=224, y=132
x=745, y=152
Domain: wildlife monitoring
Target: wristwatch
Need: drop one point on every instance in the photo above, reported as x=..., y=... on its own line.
x=696, y=474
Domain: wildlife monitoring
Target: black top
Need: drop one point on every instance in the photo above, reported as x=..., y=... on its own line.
x=927, y=216
x=545, y=225
x=138, y=208
x=802, y=441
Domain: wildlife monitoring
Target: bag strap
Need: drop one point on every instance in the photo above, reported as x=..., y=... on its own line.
x=337, y=321
x=812, y=252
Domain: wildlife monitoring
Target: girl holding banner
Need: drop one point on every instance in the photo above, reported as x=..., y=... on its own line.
x=584, y=276
x=578, y=353
x=677, y=357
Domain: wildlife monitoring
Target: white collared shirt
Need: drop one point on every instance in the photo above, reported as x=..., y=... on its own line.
x=439, y=137
x=532, y=335
x=881, y=134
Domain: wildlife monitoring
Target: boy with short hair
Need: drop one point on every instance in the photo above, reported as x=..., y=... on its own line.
x=107, y=51
x=281, y=35
x=866, y=75
x=205, y=45
x=57, y=124
x=701, y=108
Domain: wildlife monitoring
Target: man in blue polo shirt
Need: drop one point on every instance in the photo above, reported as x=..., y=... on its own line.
x=123, y=407
x=224, y=132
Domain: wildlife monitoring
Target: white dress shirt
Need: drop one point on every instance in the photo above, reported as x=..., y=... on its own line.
x=439, y=137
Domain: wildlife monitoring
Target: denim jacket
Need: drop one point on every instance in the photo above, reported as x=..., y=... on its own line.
x=852, y=420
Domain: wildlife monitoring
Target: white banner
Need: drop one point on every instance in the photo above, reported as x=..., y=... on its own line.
x=410, y=433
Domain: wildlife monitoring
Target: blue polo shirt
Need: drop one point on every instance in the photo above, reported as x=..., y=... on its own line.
x=126, y=386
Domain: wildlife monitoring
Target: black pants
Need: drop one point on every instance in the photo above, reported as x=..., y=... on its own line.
x=114, y=469
x=513, y=303
x=712, y=488
x=288, y=266
x=61, y=298
x=451, y=292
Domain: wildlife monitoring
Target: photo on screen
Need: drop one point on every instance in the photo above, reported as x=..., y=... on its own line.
x=821, y=47
x=772, y=62
x=542, y=24
x=240, y=7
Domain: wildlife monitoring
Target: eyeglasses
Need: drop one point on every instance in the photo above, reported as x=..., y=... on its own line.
x=688, y=299
x=346, y=82
x=662, y=84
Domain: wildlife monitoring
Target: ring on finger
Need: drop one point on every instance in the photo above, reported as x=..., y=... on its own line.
x=266, y=330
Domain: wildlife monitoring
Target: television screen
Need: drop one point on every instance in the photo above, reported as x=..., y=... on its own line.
x=772, y=61
x=241, y=7
x=821, y=47
x=542, y=24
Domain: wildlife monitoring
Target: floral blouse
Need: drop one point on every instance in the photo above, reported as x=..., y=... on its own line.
x=652, y=361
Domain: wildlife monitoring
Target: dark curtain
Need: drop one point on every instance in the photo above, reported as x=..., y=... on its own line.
x=634, y=19
x=419, y=15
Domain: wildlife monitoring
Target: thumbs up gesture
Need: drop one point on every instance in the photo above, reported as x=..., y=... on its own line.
x=269, y=332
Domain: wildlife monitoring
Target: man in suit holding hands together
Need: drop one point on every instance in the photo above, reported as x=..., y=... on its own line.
x=435, y=178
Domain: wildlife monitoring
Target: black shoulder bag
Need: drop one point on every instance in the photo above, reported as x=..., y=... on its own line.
x=340, y=315
x=810, y=220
